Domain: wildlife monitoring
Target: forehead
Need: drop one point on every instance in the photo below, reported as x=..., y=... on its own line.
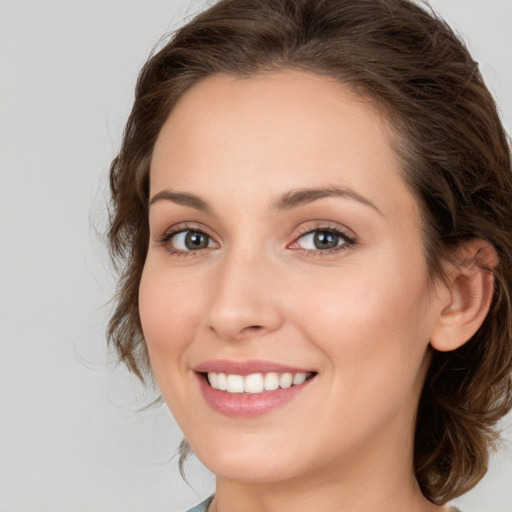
x=276, y=131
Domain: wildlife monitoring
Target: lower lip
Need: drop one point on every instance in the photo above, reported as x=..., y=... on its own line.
x=247, y=404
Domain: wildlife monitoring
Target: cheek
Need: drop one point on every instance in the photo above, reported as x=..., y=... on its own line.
x=169, y=313
x=374, y=327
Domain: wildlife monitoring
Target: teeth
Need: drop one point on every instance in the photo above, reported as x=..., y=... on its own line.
x=235, y=384
x=299, y=378
x=256, y=382
x=222, y=383
x=271, y=381
x=213, y=378
x=286, y=380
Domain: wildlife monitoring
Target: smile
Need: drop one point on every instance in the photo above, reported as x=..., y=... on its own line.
x=255, y=382
x=250, y=388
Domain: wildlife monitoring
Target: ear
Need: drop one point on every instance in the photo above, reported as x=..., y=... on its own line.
x=467, y=295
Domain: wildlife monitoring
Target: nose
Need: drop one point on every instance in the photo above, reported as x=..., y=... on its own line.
x=245, y=298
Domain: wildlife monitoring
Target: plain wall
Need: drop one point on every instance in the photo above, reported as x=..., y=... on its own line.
x=71, y=438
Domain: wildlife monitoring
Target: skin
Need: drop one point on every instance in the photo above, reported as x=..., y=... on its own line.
x=361, y=316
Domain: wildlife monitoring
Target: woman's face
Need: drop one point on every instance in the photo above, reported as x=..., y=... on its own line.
x=284, y=241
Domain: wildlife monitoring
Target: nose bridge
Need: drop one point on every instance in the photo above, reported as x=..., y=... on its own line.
x=243, y=301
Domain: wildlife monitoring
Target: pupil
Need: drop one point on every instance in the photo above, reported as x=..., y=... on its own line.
x=196, y=240
x=326, y=240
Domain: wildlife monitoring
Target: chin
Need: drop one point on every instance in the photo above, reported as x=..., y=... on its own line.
x=253, y=471
x=253, y=463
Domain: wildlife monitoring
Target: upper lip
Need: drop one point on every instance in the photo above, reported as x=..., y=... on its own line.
x=246, y=367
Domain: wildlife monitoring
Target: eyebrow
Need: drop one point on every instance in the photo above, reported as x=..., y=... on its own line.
x=289, y=200
x=182, y=198
x=302, y=196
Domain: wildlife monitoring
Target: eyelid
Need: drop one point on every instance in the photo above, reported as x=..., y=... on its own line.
x=349, y=238
x=183, y=227
x=322, y=225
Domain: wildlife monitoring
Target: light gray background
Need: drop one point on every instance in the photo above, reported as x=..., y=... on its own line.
x=71, y=439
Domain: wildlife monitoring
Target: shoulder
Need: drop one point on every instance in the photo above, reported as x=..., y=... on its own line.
x=203, y=505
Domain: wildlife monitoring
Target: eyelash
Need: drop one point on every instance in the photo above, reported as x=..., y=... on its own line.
x=184, y=228
x=346, y=239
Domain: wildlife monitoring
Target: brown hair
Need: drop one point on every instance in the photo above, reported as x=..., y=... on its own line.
x=456, y=160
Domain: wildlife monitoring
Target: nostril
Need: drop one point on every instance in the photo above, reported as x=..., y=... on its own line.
x=253, y=328
x=249, y=330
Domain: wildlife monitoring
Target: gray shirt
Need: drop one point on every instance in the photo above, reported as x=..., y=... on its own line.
x=203, y=506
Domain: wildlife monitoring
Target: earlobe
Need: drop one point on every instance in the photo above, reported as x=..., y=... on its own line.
x=470, y=289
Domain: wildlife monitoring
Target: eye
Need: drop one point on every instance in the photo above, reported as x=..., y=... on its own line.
x=188, y=240
x=319, y=240
x=323, y=240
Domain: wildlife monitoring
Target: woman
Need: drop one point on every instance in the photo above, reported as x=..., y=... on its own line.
x=312, y=209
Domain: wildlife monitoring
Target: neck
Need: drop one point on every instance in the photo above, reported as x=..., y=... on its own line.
x=325, y=496
x=378, y=479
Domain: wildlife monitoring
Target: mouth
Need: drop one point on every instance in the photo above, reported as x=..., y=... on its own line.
x=247, y=389
x=255, y=383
